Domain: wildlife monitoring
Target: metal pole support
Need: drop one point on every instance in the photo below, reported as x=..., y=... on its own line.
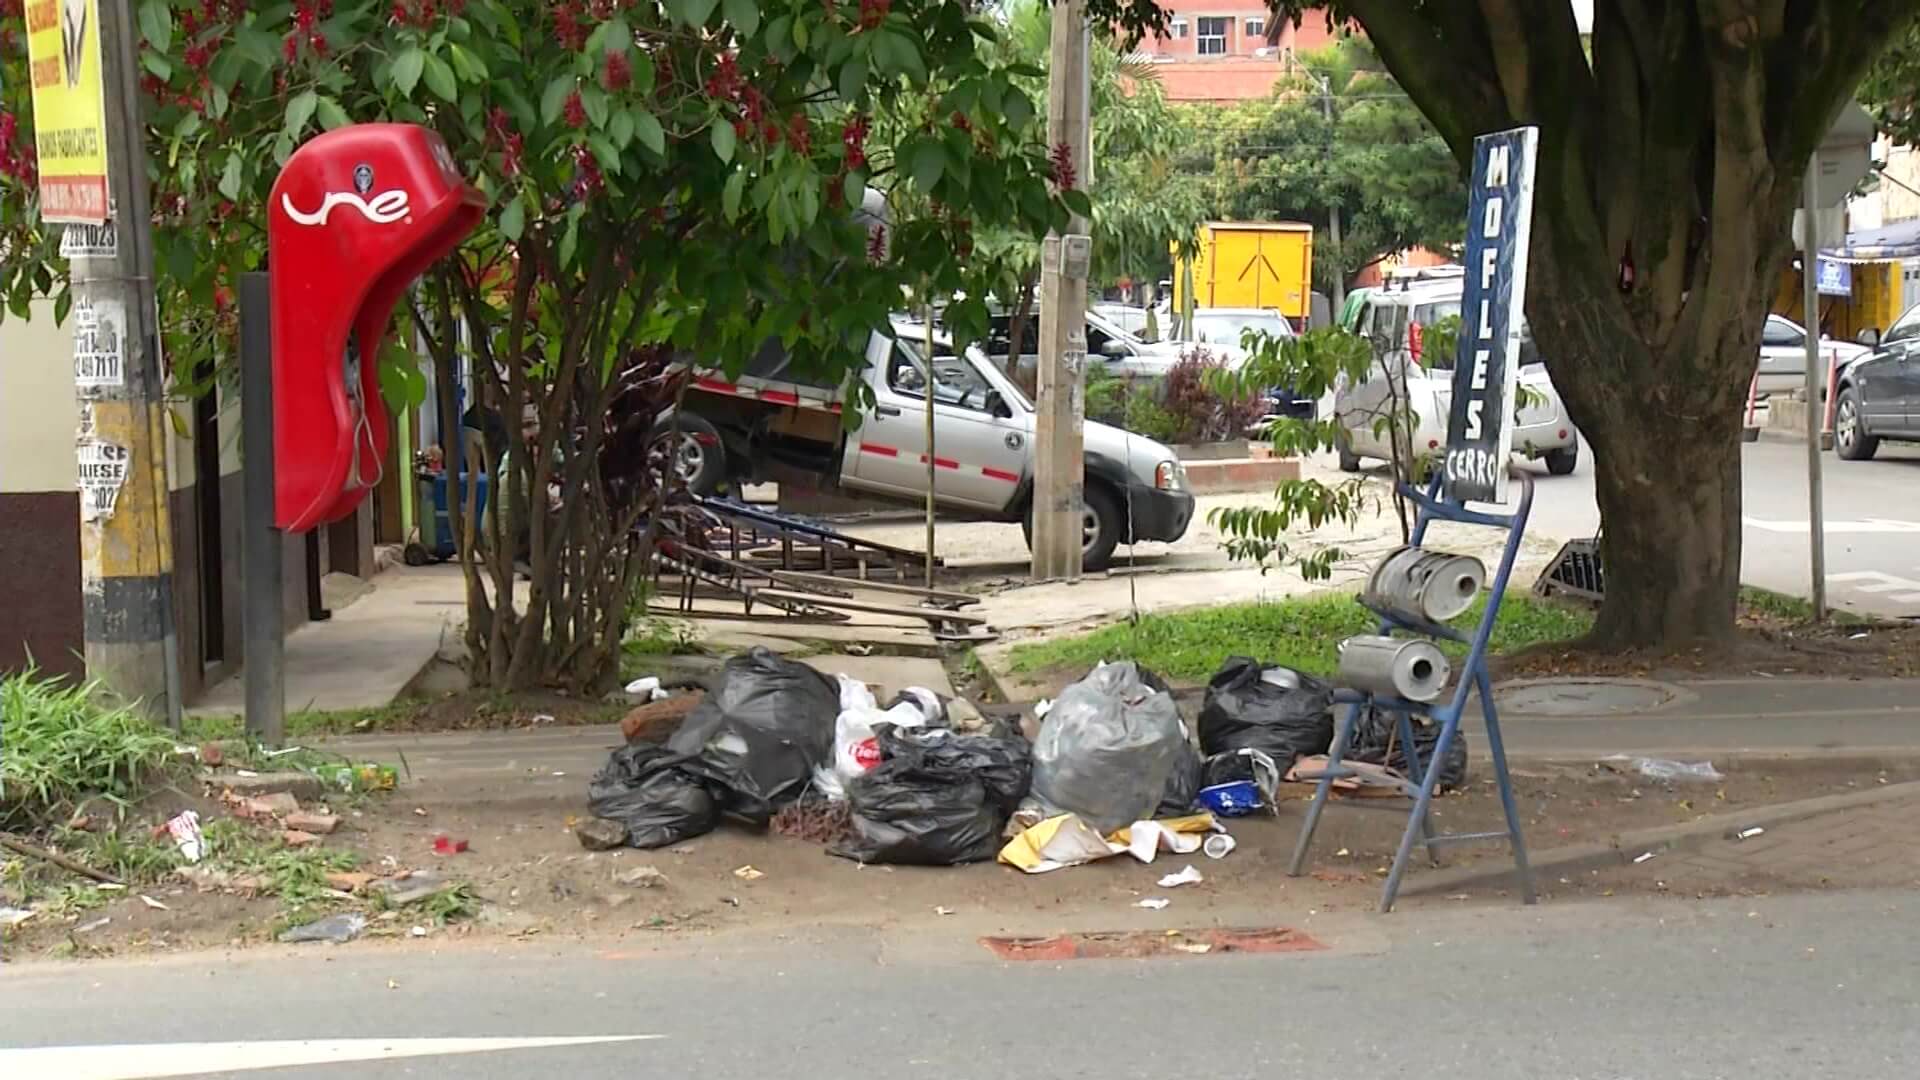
x=263, y=550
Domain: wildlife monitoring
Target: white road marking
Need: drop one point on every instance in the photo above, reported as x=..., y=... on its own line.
x=1868, y=525
x=134, y=1061
x=1903, y=590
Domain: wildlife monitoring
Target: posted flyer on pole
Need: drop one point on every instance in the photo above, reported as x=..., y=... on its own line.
x=69, y=109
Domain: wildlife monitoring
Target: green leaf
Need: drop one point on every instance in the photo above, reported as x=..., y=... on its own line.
x=331, y=114
x=595, y=101
x=800, y=34
x=1016, y=108
x=230, y=177
x=927, y=161
x=406, y=70
x=299, y=111
x=621, y=128
x=744, y=15
x=467, y=65
x=853, y=80
x=906, y=55
x=440, y=80
x=555, y=98
x=604, y=152
x=156, y=24
x=854, y=187
x=218, y=101
x=160, y=66
x=693, y=12
x=646, y=127
x=723, y=138
x=513, y=219
x=1078, y=202
x=730, y=195
x=569, y=241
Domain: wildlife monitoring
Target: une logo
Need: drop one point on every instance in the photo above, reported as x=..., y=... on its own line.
x=383, y=209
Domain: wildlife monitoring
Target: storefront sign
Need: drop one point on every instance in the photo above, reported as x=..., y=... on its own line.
x=1486, y=372
x=1835, y=278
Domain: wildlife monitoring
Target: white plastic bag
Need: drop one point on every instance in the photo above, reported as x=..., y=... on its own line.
x=855, y=750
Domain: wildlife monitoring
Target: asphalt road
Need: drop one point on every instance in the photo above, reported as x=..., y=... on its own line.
x=1789, y=987
x=1872, y=511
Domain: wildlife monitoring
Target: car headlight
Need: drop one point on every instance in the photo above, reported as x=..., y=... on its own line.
x=1169, y=476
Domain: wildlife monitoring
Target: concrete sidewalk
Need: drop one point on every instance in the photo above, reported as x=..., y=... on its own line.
x=369, y=652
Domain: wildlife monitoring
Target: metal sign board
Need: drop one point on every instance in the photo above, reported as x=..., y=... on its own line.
x=1834, y=278
x=1486, y=372
x=69, y=108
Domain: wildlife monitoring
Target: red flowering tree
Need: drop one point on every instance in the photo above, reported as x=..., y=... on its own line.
x=664, y=176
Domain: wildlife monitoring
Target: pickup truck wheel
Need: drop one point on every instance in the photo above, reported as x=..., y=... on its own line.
x=1101, y=523
x=1343, y=445
x=698, y=458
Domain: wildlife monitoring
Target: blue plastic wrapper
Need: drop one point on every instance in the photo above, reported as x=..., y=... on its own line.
x=1236, y=798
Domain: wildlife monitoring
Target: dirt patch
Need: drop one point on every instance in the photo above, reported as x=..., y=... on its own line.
x=1761, y=645
x=526, y=866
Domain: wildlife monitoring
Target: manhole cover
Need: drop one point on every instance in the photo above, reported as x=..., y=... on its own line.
x=1586, y=697
x=1133, y=944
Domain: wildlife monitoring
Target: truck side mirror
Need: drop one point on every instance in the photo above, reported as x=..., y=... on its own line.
x=1870, y=337
x=997, y=405
x=1115, y=349
x=355, y=216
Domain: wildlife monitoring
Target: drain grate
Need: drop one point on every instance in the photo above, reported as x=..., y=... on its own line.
x=1575, y=571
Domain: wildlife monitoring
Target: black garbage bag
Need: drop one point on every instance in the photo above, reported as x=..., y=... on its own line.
x=642, y=787
x=765, y=725
x=1249, y=707
x=1376, y=740
x=1183, y=783
x=999, y=757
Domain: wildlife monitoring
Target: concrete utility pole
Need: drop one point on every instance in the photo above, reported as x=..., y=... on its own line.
x=1339, y=298
x=1810, y=294
x=126, y=545
x=1058, y=465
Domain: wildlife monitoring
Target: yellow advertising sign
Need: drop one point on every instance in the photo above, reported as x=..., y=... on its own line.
x=69, y=109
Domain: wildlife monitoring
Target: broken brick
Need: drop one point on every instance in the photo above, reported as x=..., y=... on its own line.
x=296, y=838
x=313, y=822
x=350, y=881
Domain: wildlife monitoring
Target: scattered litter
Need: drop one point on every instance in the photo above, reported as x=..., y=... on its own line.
x=1196, y=948
x=1188, y=876
x=859, y=650
x=540, y=719
x=856, y=749
x=420, y=811
x=1154, y=903
x=748, y=873
x=350, y=777
x=90, y=927
x=418, y=931
x=1664, y=769
x=185, y=830
x=447, y=845
x=110, y=886
x=1747, y=834
x=248, y=773
x=943, y=911
x=13, y=916
x=732, y=901
x=411, y=887
x=80, y=823
x=1857, y=637
x=683, y=849
x=1219, y=845
x=1644, y=856
x=282, y=752
x=643, y=877
x=152, y=903
x=1067, y=840
x=558, y=773
x=647, y=687
x=392, y=985
x=335, y=929
x=1179, y=836
x=210, y=754
x=1342, y=853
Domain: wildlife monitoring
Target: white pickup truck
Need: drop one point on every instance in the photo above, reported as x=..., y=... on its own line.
x=771, y=424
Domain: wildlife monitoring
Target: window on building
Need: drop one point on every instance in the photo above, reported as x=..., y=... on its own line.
x=1180, y=28
x=1256, y=27
x=1212, y=39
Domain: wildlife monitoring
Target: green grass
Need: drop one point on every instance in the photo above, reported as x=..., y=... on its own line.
x=307, y=723
x=1792, y=609
x=1301, y=633
x=653, y=635
x=64, y=744
x=296, y=875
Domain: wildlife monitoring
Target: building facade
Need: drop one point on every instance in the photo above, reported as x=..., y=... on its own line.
x=1217, y=51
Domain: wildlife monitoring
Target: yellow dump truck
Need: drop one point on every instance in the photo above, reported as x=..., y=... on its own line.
x=1249, y=264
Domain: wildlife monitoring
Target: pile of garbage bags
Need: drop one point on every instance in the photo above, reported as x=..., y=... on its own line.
x=772, y=731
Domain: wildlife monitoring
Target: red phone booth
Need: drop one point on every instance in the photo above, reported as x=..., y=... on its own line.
x=355, y=216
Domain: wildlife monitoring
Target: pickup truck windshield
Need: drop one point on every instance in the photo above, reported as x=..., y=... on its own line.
x=957, y=381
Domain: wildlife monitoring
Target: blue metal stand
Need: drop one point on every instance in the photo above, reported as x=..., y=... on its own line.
x=1473, y=677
